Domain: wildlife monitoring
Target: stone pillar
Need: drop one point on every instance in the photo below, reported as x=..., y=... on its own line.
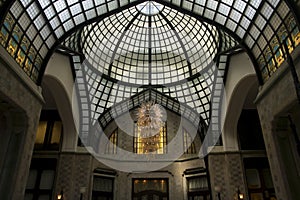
x=12, y=135
x=275, y=99
x=226, y=172
x=23, y=101
x=74, y=173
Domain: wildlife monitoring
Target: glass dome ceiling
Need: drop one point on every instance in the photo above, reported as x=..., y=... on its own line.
x=150, y=44
x=150, y=8
x=31, y=30
x=150, y=51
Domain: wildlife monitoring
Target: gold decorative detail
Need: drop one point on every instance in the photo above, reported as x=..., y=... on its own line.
x=11, y=49
x=270, y=60
x=150, y=116
x=150, y=128
x=277, y=51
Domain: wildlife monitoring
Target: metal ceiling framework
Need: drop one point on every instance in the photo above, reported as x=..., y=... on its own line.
x=32, y=29
x=159, y=49
x=103, y=99
x=124, y=55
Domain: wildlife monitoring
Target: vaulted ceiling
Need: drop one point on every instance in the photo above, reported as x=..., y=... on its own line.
x=35, y=27
x=180, y=48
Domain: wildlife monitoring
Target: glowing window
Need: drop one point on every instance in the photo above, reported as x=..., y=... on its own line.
x=111, y=147
x=188, y=143
x=154, y=144
x=150, y=188
x=48, y=136
x=198, y=187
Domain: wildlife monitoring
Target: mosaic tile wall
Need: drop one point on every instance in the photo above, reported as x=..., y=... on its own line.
x=74, y=172
x=226, y=171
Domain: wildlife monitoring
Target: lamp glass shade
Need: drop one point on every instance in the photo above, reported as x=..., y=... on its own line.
x=241, y=196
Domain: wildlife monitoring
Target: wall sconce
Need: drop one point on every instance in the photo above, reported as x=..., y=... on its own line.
x=218, y=191
x=60, y=196
x=240, y=195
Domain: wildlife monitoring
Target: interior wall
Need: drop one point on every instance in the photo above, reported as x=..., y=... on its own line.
x=173, y=172
x=226, y=162
x=25, y=101
x=289, y=157
x=4, y=131
x=240, y=79
x=240, y=66
x=58, y=79
x=74, y=164
x=174, y=125
x=277, y=99
x=14, y=131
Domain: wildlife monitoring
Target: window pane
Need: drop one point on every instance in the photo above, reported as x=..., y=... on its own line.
x=47, y=179
x=253, y=180
x=111, y=147
x=103, y=184
x=197, y=183
x=57, y=128
x=189, y=145
x=153, y=144
x=31, y=179
x=40, y=135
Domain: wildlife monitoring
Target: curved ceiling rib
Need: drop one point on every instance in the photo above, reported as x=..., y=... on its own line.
x=181, y=43
x=104, y=93
x=102, y=97
x=118, y=43
x=149, y=94
x=29, y=33
x=33, y=29
x=120, y=47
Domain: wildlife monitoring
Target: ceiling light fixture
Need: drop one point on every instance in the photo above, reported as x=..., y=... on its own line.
x=149, y=122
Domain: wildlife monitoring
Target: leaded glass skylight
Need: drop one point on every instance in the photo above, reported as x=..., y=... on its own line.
x=150, y=49
x=32, y=29
x=169, y=46
x=150, y=8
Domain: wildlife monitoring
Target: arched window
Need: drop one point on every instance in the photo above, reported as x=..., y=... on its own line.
x=49, y=131
x=188, y=143
x=155, y=144
x=111, y=146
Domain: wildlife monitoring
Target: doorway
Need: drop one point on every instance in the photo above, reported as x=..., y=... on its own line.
x=150, y=189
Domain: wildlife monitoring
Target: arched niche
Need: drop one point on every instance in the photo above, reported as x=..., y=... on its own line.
x=237, y=101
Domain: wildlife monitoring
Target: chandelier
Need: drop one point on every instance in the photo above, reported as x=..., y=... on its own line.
x=149, y=122
x=150, y=117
